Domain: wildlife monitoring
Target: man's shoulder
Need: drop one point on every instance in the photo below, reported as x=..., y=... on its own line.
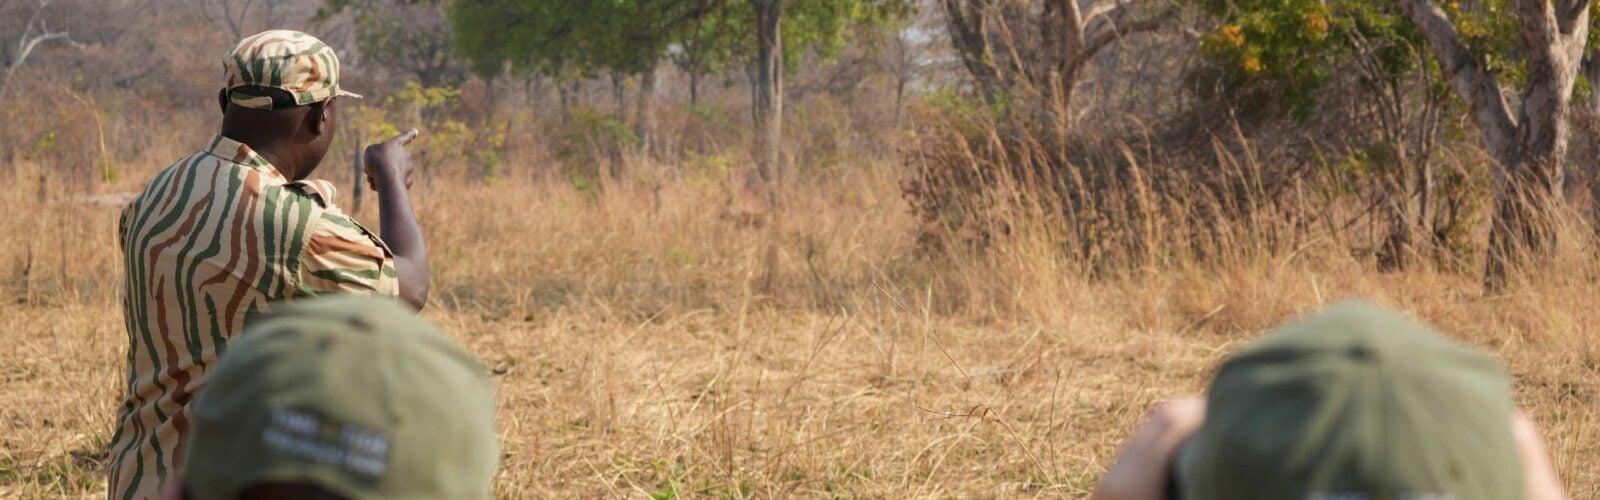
x=204, y=178
x=163, y=185
x=321, y=191
x=331, y=219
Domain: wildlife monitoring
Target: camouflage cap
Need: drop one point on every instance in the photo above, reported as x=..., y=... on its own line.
x=1355, y=402
x=353, y=395
x=290, y=61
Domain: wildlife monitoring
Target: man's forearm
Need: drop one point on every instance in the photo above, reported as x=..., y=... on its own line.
x=404, y=237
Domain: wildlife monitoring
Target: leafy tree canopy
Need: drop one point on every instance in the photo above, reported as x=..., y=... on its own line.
x=1297, y=44
x=408, y=35
x=555, y=36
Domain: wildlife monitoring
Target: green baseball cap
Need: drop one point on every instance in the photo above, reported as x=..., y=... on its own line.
x=1355, y=402
x=354, y=395
x=290, y=61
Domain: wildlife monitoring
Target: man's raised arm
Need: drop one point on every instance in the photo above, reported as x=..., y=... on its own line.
x=388, y=167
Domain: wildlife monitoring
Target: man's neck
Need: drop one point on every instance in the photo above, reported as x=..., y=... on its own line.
x=275, y=153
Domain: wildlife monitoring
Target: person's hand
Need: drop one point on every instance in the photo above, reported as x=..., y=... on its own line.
x=1144, y=464
x=1538, y=474
x=388, y=161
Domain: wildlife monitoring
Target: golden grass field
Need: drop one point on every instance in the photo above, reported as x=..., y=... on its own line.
x=645, y=344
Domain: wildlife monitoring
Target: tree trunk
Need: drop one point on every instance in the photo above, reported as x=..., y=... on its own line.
x=900, y=97
x=1060, y=108
x=1432, y=108
x=565, y=94
x=532, y=92
x=646, y=115
x=1530, y=148
x=694, y=86
x=28, y=41
x=1397, y=249
x=1387, y=103
x=1424, y=189
x=1589, y=124
x=488, y=97
x=617, y=97
x=614, y=147
x=486, y=168
x=769, y=94
x=968, y=26
x=1063, y=26
x=1530, y=191
x=1522, y=232
x=1075, y=37
x=358, y=174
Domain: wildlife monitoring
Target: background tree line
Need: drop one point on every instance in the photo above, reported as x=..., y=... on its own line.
x=1443, y=129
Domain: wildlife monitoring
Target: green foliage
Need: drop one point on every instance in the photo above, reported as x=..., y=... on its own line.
x=552, y=36
x=702, y=111
x=951, y=99
x=665, y=493
x=42, y=147
x=559, y=37
x=445, y=139
x=1463, y=194
x=1295, y=44
x=584, y=183
x=406, y=35
x=487, y=152
x=709, y=170
x=108, y=171
x=427, y=108
x=824, y=26
x=423, y=98
x=1489, y=29
x=591, y=138
x=715, y=42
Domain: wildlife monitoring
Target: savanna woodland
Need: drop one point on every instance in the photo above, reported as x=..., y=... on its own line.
x=855, y=248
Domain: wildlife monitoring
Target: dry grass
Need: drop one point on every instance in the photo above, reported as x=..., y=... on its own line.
x=643, y=344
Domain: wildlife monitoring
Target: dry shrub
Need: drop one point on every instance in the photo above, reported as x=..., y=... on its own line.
x=976, y=174
x=68, y=144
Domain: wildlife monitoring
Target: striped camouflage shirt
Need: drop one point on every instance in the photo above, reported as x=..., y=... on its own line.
x=213, y=239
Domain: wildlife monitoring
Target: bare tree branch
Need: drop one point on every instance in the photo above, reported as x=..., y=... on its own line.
x=1480, y=88
x=1551, y=57
x=1101, y=8
x=969, y=34
x=27, y=47
x=1568, y=11
x=274, y=16
x=27, y=30
x=30, y=41
x=1093, y=43
x=234, y=15
x=1073, y=17
x=1539, y=24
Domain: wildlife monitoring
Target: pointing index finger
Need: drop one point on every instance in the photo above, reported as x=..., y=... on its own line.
x=406, y=137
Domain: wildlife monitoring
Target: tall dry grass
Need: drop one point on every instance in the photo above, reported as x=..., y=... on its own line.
x=647, y=341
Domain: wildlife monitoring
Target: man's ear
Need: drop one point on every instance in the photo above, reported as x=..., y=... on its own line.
x=320, y=118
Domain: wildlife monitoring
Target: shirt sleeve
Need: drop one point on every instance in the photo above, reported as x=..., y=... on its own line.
x=341, y=257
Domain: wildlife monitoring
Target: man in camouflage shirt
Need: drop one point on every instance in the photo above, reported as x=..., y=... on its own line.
x=225, y=233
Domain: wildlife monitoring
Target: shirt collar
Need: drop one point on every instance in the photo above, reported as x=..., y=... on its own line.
x=240, y=153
